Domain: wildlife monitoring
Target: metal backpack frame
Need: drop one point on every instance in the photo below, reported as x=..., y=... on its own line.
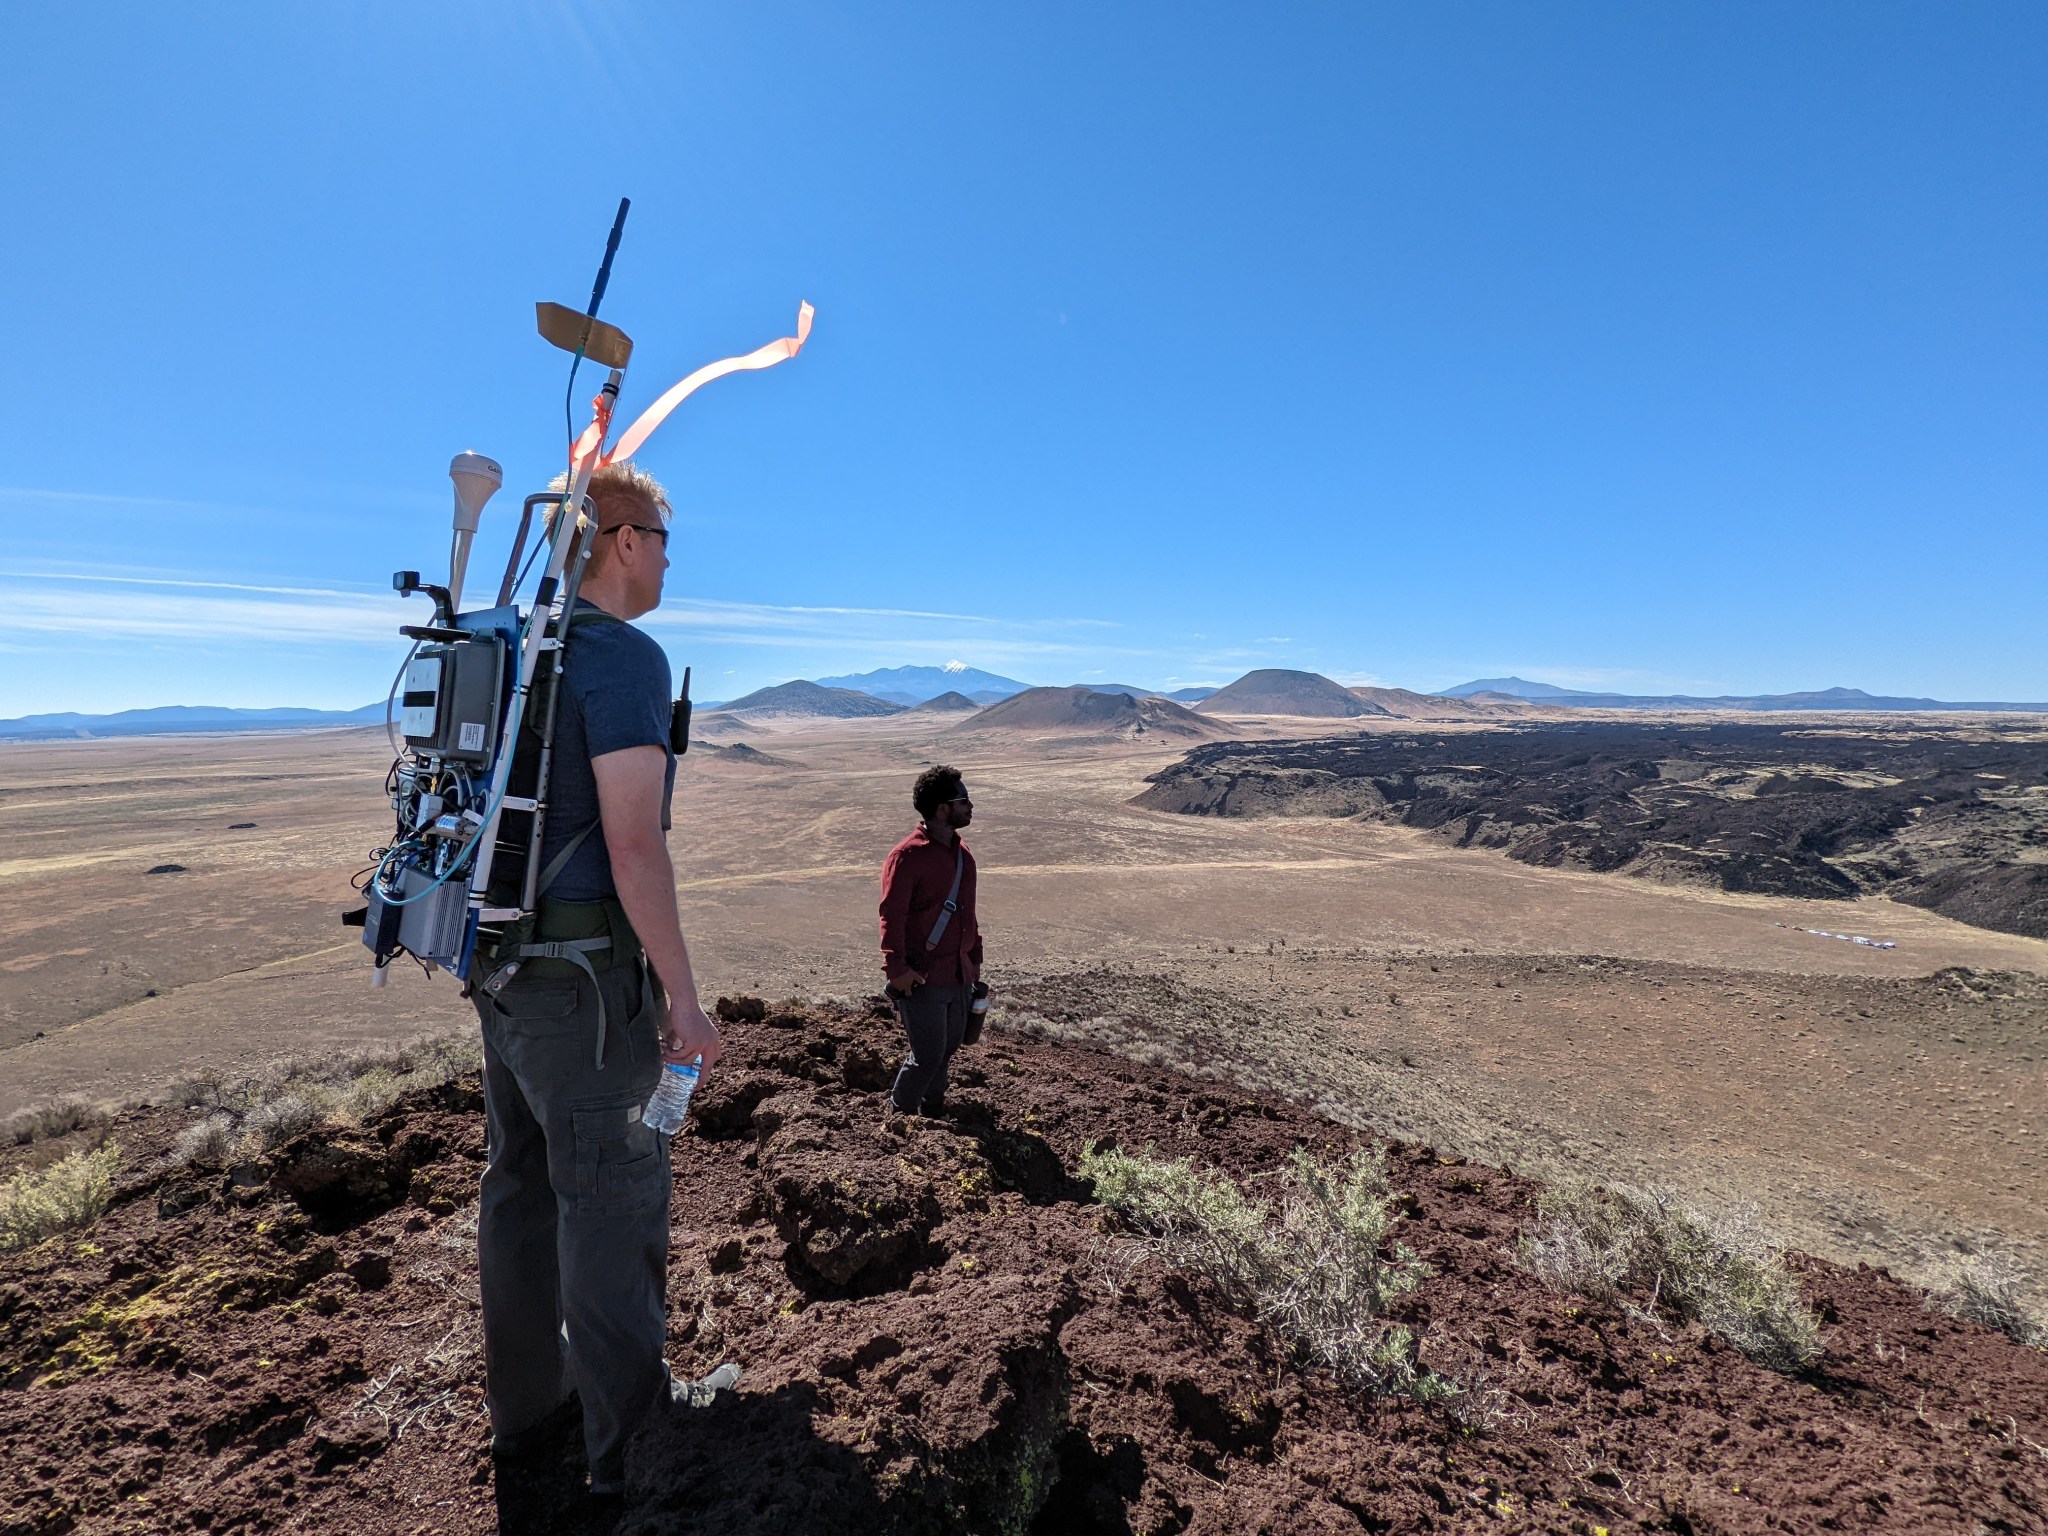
x=482, y=689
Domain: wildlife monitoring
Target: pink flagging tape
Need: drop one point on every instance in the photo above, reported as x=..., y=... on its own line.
x=762, y=357
x=600, y=423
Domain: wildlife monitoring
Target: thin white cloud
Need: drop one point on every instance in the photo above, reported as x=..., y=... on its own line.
x=108, y=606
x=211, y=628
x=174, y=581
x=124, y=613
x=32, y=493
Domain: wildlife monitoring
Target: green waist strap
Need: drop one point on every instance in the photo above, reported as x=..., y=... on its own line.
x=562, y=940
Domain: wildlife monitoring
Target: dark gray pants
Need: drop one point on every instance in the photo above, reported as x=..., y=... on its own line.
x=572, y=1230
x=934, y=1018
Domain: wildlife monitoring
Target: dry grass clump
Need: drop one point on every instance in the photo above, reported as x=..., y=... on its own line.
x=69, y=1193
x=205, y=1141
x=1308, y=1266
x=1982, y=1288
x=52, y=1118
x=251, y=1115
x=1721, y=1272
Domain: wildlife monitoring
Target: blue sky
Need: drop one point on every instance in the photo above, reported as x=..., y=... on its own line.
x=1692, y=347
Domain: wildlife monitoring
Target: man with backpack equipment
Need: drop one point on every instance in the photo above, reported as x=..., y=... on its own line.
x=573, y=1228
x=534, y=756
x=931, y=940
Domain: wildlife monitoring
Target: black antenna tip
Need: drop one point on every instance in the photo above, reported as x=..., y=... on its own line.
x=611, y=249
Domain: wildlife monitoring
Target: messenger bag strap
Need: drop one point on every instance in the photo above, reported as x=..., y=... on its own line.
x=952, y=897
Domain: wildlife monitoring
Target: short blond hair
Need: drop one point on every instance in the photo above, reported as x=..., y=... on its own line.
x=622, y=493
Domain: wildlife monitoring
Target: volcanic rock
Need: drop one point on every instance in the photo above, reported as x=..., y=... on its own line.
x=940, y=1332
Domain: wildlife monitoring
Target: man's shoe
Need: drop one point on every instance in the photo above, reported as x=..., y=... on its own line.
x=704, y=1391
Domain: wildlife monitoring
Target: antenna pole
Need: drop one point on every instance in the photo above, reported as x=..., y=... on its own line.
x=611, y=249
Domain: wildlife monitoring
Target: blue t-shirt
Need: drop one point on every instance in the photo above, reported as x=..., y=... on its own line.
x=615, y=694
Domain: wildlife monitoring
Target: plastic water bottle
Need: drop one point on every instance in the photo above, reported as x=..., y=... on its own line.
x=671, y=1100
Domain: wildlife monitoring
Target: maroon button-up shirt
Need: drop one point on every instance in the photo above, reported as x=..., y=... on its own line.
x=915, y=879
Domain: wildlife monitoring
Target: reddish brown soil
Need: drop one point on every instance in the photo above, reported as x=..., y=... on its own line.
x=938, y=1336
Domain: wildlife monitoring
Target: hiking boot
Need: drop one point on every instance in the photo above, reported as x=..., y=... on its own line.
x=704, y=1391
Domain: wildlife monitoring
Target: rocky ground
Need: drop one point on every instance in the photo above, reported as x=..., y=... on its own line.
x=1952, y=818
x=941, y=1332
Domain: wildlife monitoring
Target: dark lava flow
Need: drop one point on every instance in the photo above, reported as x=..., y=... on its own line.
x=1950, y=819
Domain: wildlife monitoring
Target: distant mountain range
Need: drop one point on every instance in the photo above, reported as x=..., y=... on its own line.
x=1824, y=698
x=913, y=685
x=1268, y=691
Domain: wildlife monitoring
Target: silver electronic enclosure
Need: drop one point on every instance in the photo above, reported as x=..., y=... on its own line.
x=453, y=698
x=431, y=923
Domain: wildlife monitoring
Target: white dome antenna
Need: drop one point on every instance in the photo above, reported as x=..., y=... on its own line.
x=476, y=481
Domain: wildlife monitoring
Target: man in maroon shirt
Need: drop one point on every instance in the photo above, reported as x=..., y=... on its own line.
x=931, y=944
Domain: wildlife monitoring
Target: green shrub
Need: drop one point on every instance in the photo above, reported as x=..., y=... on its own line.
x=1988, y=1290
x=69, y=1193
x=1719, y=1271
x=1309, y=1267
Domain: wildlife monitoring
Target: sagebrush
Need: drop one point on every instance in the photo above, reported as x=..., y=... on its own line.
x=52, y=1118
x=71, y=1192
x=1985, y=1289
x=1719, y=1271
x=252, y=1115
x=1315, y=1265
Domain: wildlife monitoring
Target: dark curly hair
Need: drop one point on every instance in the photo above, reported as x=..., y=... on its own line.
x=934, y=787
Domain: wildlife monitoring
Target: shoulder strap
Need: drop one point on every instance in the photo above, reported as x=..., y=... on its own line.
x=580, y=614
x=952, y=897
x=561, y=860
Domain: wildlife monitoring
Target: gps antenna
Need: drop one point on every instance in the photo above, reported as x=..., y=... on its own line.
x=476, y=481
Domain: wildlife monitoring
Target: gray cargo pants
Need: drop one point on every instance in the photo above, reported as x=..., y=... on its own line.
x=935, y=1018
x=572, y=1227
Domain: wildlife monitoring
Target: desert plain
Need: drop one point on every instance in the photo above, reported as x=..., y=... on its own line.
x=173, y=905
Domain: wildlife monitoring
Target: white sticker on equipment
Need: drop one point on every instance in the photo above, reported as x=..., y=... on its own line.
x=472, y=736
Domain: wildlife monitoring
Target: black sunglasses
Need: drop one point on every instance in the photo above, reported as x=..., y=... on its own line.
x=659, y=533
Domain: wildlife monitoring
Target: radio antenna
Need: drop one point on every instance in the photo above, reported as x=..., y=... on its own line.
x=611, y=249
x=604, y=277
